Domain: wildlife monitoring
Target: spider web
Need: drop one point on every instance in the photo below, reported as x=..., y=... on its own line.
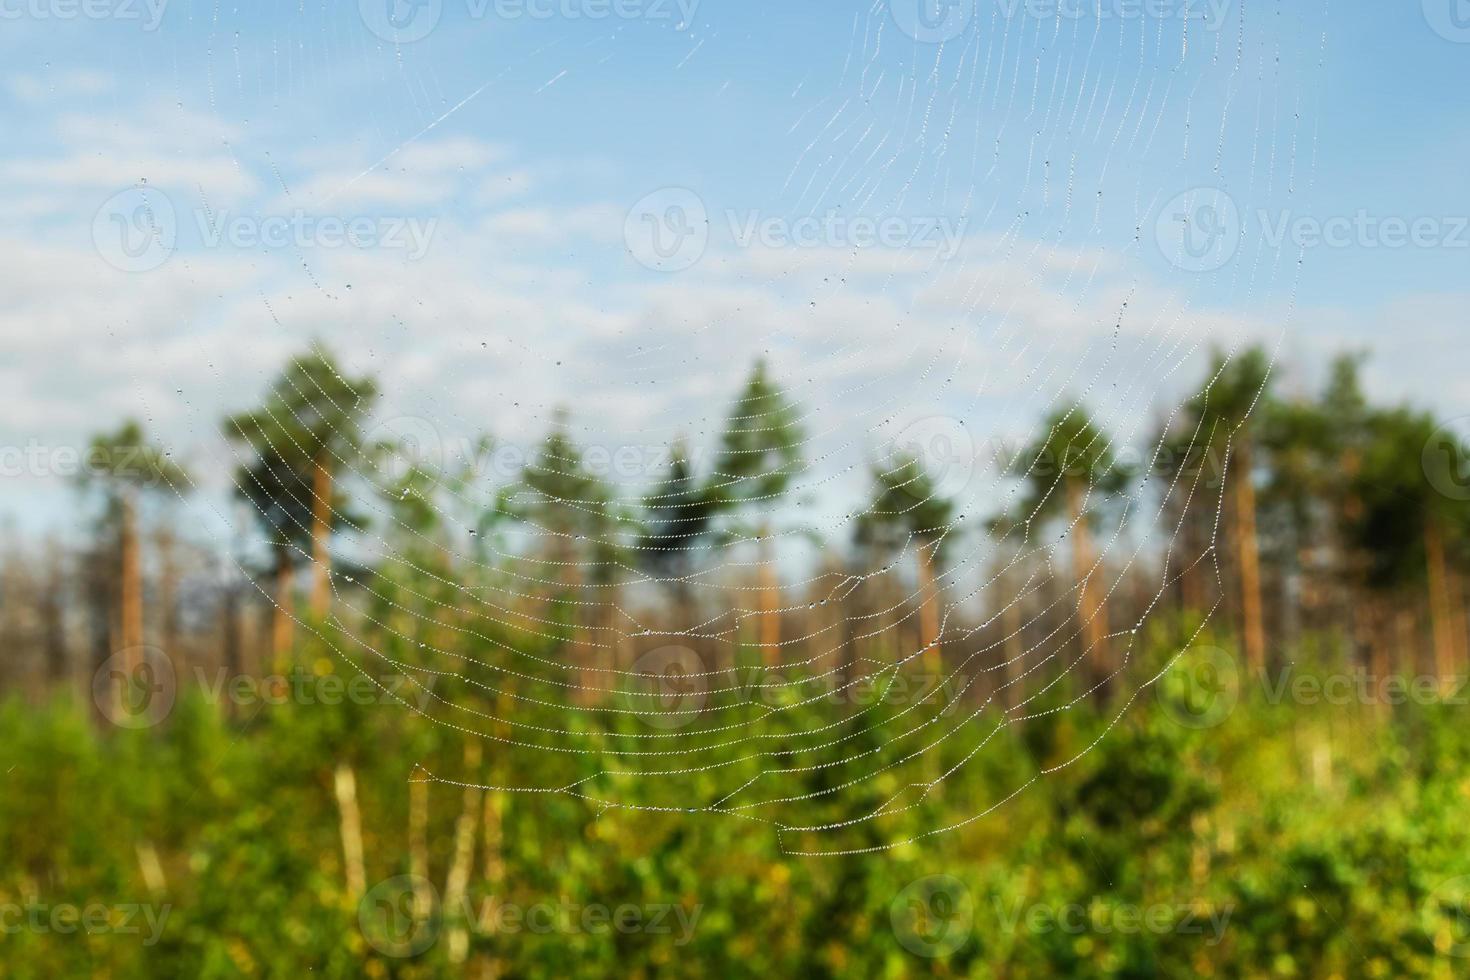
x=1062, y=141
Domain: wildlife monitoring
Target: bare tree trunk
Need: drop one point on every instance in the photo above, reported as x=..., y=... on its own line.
x=53, y=618
x=456, y=882
x=1013, y=649
x=230, y=645
x=770, y=601
x=1091, y=615
x=418, y=846
x=321, y=532
x=929, y=607
x=1457, y=620
x=282, y=623
x=131, y=583
x=168, y=591
x=1246, y=547
x=344, y=785
x=1439, y=600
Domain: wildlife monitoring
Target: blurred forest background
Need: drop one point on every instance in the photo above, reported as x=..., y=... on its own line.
x=1258, y=724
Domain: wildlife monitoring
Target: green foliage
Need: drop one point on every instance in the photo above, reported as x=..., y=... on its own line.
x=1161, y=849
x=573, y=509
x=760, y=450
x=678, y=515
x=312, y=416
x=906, y=504
x=1072, y=456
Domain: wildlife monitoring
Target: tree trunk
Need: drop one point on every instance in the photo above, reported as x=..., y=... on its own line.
x=456, y=882
x=1246, y=547
x=230, y=645
x=321, y=531
x=1091, y=614
x=929, y=607
x=168, y=591
x=1439, y=600
x=131, y=590
x=770, y=601
x=1013, y=649
x=53, y=618
x=282, y=623
x=418, y=847
x=344, y=786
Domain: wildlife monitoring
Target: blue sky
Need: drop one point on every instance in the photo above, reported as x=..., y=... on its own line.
x=518, y=145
